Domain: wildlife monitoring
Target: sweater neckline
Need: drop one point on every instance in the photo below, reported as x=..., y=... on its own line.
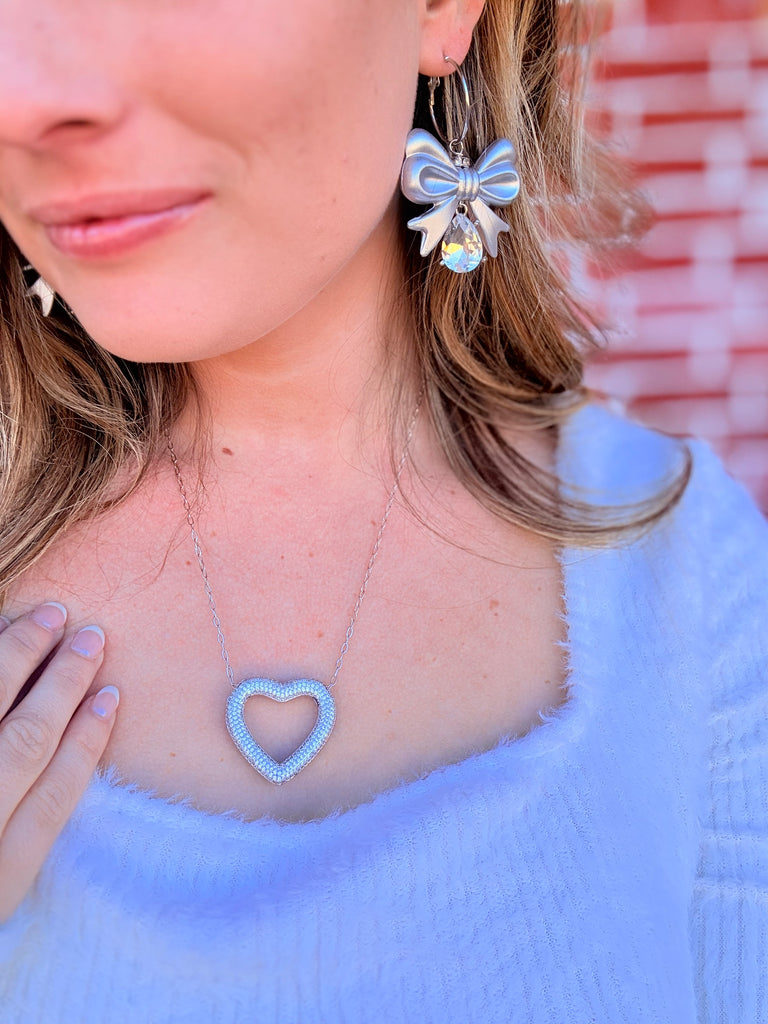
x=558, y=730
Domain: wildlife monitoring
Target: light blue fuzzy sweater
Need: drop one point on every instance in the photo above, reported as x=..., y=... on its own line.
x=609, y=866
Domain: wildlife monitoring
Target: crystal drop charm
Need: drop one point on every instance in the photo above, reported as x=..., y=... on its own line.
x=462, y=248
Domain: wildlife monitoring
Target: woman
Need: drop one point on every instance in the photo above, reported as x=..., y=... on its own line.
x=532, y=786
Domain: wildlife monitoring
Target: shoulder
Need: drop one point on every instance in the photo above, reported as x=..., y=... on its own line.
x=613, y=457
x=706, y=559
x=614, y=460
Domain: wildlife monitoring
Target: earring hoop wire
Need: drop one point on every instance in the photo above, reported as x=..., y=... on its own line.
x=455, y=145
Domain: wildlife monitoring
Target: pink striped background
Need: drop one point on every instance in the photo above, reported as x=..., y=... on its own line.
x=685, y=92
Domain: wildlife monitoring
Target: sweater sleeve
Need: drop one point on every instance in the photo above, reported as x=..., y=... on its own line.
x=729, y=909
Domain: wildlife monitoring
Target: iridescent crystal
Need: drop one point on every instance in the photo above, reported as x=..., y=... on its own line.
x=462, y=247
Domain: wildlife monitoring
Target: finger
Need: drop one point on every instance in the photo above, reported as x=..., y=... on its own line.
x=32, y=830
x=30, y=735
x=24, y=645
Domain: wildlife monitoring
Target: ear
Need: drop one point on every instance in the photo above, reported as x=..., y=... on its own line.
x=446, y=31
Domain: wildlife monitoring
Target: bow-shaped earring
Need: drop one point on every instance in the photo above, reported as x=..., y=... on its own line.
x=43, y=291
x=448, y=180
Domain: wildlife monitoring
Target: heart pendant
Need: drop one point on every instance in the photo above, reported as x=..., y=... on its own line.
x=280, y=771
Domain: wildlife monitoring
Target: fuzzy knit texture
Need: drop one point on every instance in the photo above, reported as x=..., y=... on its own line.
x=609, y=866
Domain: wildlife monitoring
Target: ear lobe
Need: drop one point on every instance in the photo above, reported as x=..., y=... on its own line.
x=446, y=31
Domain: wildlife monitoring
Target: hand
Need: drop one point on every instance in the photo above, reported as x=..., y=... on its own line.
x=50, y=742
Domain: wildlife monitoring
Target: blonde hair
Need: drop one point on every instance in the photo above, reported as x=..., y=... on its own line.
x=79, y=428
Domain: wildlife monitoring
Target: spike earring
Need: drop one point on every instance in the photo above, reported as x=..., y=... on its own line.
x=43, y=291
x=456, y=188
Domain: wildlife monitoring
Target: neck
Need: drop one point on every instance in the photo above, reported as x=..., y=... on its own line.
x=324, y=376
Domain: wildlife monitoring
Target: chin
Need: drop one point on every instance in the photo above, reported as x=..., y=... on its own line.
x=181, y=308
x=160, y=341
x=184, y=324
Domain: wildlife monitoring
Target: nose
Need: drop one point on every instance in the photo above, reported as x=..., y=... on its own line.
x=55, y=83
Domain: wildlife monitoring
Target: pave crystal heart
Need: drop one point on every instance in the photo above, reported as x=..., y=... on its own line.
x=272, y=770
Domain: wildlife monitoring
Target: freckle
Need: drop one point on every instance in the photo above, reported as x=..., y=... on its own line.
x=311, y=554
x=493, y=603
x=172, y=754
x=320, y=633
x=213, y=533
x=282, y=558
x=226, y=451
x=188, y=562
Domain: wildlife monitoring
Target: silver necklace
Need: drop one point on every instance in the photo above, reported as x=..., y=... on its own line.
x=272, y=770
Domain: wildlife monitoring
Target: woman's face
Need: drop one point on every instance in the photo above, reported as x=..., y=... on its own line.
x=237, y=155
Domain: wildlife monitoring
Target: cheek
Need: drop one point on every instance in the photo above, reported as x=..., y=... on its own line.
x=298, y=119
x=315, y=112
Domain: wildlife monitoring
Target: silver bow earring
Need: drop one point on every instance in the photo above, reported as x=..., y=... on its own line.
x=43, y=291
x=455, y=187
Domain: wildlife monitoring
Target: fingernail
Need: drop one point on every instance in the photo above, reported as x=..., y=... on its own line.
x=105, y=702
x=89, y=641
x=50, y=615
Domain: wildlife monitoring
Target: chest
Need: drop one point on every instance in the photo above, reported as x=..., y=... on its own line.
x=450, y=650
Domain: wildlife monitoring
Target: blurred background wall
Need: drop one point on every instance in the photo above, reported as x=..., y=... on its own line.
x=684, y=89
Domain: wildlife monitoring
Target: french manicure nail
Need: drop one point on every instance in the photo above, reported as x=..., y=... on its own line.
x=50, y=615
x=89, y=641
x=105, y=702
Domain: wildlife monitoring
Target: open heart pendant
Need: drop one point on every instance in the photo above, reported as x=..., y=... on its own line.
x=272, y=770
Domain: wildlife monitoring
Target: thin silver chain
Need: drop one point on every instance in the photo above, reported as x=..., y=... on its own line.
x=363, y=586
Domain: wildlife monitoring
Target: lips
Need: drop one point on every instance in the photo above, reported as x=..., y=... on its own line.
x=110, y=224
